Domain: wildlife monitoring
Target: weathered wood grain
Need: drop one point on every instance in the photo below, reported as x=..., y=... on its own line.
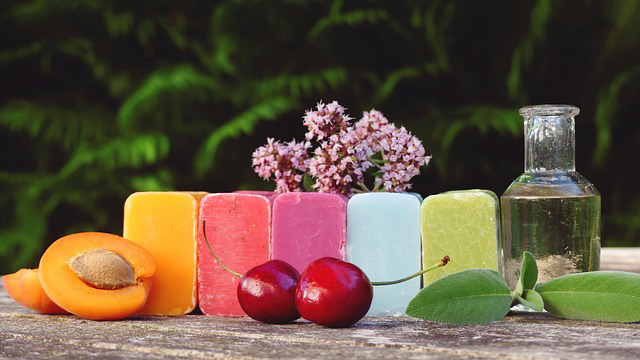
x=620, y=259
x=25, y=334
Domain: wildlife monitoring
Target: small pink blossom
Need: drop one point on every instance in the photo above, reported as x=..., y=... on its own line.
x=325, y=121
x=403, y=157
x=340, y=162
x=375, y=128
x=286, y=163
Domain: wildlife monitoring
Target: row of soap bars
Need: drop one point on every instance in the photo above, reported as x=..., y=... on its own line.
x=388, y=235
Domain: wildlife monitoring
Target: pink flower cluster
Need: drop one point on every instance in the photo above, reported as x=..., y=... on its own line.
x=285, y=162
x=325, y=121
x=375, y=129
x=340, y=163
x=403, y=156
x=344, y=154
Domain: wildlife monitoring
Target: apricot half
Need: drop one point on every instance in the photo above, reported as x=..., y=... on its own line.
x=24, y=287
x=97, y=276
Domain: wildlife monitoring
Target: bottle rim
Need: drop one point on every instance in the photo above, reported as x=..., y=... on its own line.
x=549, y=110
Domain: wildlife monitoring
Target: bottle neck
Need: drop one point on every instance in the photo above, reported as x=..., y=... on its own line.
x=549, y=141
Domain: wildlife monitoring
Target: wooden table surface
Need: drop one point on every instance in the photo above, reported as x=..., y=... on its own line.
x=28, y=335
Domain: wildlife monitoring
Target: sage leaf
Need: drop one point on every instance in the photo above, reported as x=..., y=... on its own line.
x=528, y=274
x=474, y=296
x=307, y=183
x=532, y=300
x=611, y=296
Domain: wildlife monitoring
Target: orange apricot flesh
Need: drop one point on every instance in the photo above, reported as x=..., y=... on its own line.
x=63, y=284
x=24, y=287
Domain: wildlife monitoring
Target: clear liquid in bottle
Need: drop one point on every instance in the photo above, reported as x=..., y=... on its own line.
x=550, y=210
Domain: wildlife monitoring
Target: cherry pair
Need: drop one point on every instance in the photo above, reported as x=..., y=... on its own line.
x=330, y=292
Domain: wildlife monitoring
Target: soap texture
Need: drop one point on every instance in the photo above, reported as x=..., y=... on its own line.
x=166, y=224
x=238, y=228
x=271, y=195
x=463, y=225
x=308, y=226
x=383, y=239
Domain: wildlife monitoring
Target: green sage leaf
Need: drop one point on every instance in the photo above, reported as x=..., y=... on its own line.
x=532, y=300
x=528, y=274
x=611, y=296
x=474, y=296
x=307, y=183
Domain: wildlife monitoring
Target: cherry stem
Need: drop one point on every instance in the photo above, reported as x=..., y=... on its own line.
x=225, y=267
x=444, y=261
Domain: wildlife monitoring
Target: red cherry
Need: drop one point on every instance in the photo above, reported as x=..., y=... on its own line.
x=333, y=293
x=266, y=292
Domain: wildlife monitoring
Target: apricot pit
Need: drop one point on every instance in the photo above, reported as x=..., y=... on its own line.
x=103, y=269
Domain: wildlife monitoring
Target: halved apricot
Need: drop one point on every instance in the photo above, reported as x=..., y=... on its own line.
x=24, y=287
x=97, y=276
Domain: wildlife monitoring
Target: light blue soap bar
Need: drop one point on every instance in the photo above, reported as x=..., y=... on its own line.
x=383, y=239
x=416, y=195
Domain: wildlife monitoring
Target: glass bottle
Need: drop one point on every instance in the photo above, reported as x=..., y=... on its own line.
x=550, y=210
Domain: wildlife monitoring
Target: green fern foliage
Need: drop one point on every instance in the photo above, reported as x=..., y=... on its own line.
x=355, y=17
x=173, y=87
x=608, y=99
x=505, y=121
x=524, y=53
x=54, y=124
x=19, y=243
x=124, y=152
x=296, y=86
x=243, y=123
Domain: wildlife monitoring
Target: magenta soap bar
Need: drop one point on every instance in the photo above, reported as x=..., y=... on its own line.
x=308, y=226
x=238, y=227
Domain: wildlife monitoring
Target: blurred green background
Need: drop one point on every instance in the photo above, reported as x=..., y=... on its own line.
x=99, y=99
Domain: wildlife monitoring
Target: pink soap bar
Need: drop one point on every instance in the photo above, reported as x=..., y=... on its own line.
x=271, y=195
x=238, y=229
x=308, y=226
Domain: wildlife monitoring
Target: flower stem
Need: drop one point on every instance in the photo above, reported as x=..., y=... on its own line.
x=444, y=261
x=225, y=267
x=377, y=186
x=363, y=187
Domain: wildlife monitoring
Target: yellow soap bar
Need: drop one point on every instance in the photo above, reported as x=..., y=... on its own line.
x=166, y=224
x=463, y=225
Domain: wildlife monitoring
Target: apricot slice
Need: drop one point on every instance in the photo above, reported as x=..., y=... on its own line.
x=97, y=276
x=24, y=287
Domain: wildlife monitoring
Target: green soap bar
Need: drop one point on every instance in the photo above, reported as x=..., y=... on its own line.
x=464, y=225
